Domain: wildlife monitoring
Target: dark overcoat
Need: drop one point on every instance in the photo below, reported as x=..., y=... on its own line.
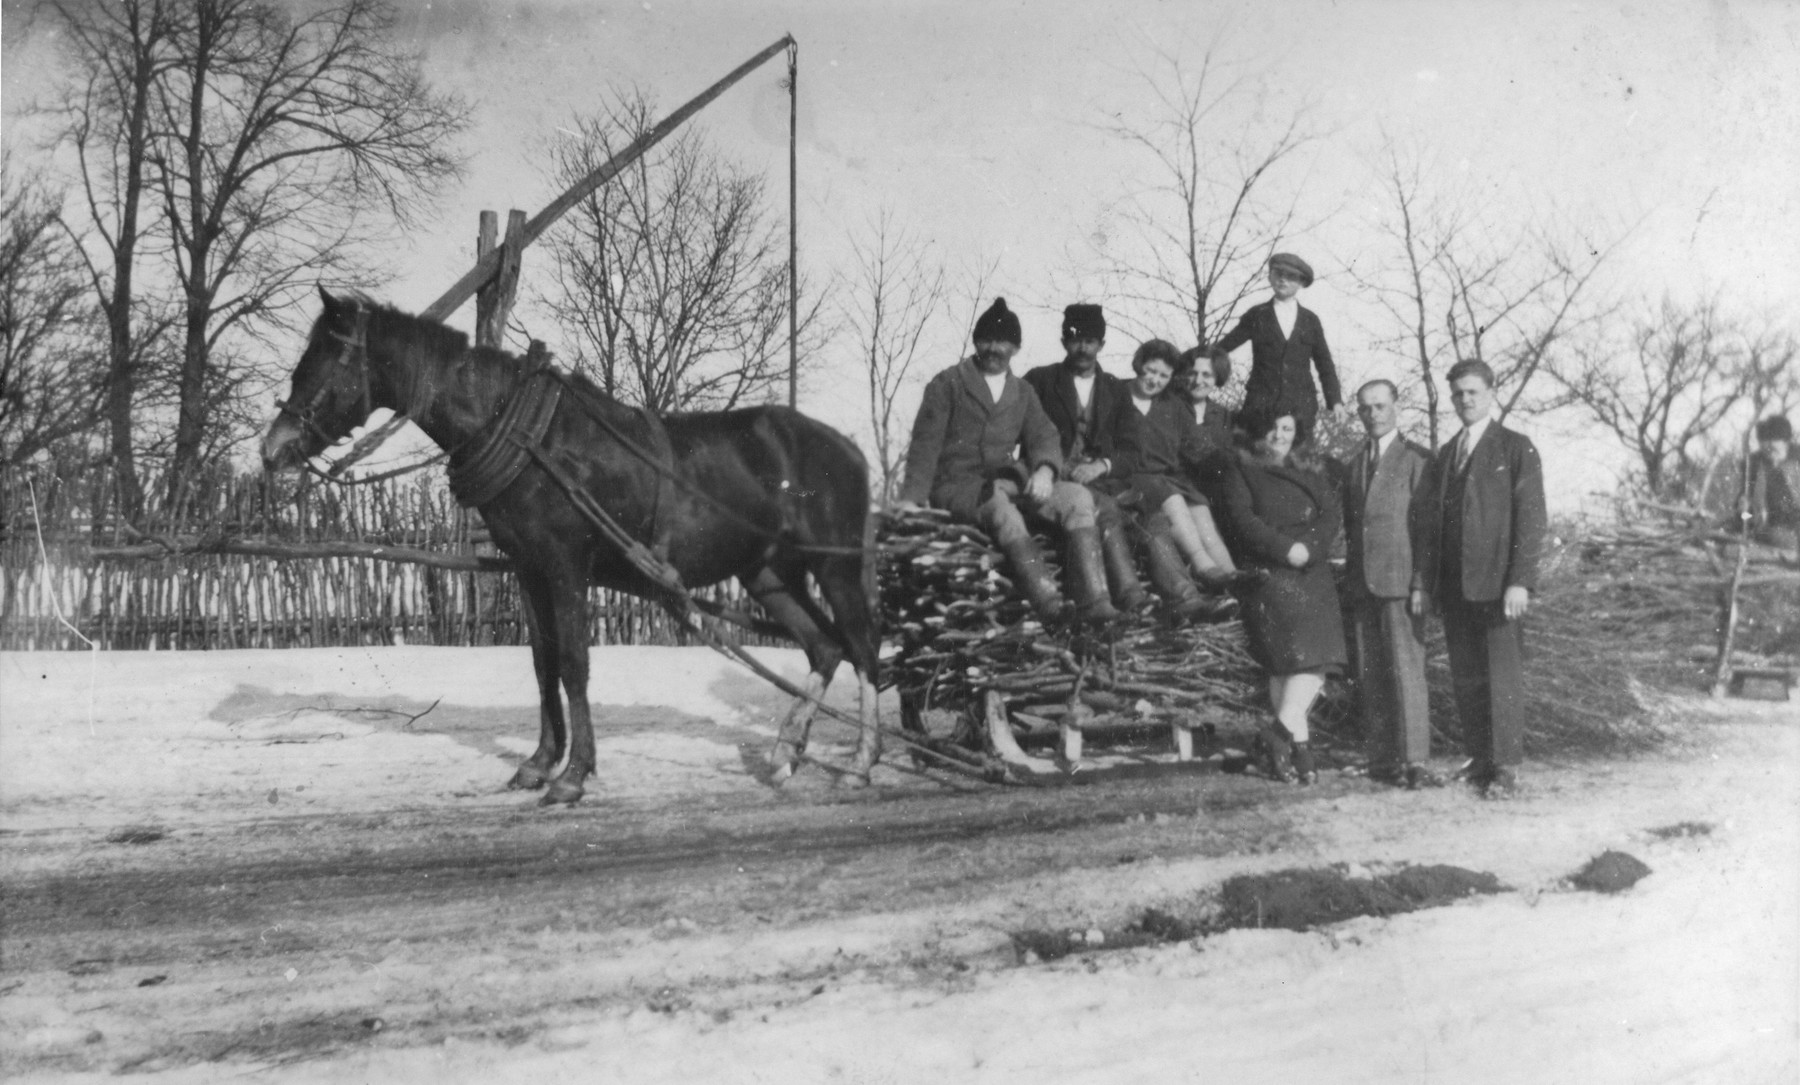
x=1504, y=518
x=1292, y=617
x=1281, y=366
x=1163, y=451
x=963, y=440
x=1055, y=388
x=1377, y=519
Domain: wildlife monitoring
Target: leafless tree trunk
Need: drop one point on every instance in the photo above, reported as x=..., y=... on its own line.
x=52, y=366
x=116, y=53
x=669, y=280
x=1457, y=284
x=282, y=145
x=896, y=294
x=1190, y=240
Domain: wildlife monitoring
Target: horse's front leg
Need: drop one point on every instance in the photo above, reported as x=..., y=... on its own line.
x=535, y=771
x=790, y=740
x=571, y=647
x=868, y=742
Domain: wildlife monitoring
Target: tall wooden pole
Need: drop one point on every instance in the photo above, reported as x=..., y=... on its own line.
x=793, y=223
x=485, y=267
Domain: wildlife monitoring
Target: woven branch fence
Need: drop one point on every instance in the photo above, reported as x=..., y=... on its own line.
x=239, y=601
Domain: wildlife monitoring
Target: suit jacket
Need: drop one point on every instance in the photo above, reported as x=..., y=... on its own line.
x=1055, y=388
x=1281, y=366
x=962, y=440
x=1503, y=516
x=1377, y=524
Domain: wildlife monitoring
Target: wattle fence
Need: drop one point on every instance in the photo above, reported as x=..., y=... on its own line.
x=208, y=601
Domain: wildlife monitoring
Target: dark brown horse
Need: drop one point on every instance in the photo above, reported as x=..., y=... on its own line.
x=767, y=495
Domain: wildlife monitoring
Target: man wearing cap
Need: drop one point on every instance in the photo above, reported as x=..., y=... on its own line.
x=973, y=417
x=1478, y=534
x=1083, y=402
x=1286, y=343
x=1390, y=639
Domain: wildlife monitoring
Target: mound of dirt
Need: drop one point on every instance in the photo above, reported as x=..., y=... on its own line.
x=1300, y=899
x=1610, y=872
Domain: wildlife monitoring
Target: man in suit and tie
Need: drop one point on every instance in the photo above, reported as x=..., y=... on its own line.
x=1390, y=643
x=1083, y=402
x=1479, y=524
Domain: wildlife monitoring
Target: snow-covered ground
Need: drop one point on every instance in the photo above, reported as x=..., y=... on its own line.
x=1693, y=975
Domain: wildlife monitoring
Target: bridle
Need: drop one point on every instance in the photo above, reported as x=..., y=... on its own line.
x=354, y=347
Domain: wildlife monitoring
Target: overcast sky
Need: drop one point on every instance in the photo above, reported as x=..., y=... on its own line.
x=980, y=126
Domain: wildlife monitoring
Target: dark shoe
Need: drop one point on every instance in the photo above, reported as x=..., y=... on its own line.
x=1305, y=772
x=1034, y=578
x=1209, y=609
x=1277, y=754
x=1417, y=776
x=1501, y=784
x=1087, y=573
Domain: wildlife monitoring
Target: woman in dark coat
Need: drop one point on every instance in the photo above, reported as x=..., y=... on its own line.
x=1283, y=519
x=1161, y=454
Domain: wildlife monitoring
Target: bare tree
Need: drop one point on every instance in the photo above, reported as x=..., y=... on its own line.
x=1457, y=282
x=896, y=294
x=670, y=281
x=53, y=376
x=115, y=54
x=1189, y=241
x=285, y=141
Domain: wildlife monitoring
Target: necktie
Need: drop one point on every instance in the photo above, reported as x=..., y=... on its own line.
x=1462, y=452
x=1374, y=455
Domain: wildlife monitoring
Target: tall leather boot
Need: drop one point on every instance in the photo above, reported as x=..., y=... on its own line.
x=1169, y=573
x=1087, y=569
x=1034, y=577
x=1121, y=569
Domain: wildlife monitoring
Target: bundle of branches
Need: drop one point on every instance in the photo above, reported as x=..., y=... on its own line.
x=960, y=630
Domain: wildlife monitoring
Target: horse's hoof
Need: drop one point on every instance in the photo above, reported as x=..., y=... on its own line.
x=781, y=773
x=855, y=781
x=561, y=793
x=527, y=779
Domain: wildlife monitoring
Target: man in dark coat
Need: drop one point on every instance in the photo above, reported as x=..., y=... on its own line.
x=1775, y=483
x=1083, y=402
x=1478, y=535
x=1286, y=343
x=1390, y=639
x=975, y=415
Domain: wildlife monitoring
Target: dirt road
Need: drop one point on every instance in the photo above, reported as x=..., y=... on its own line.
x=291, y=882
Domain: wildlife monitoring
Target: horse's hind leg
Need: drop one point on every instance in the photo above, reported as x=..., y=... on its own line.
x=535, y=770
x=797, y=614
x=846, y=587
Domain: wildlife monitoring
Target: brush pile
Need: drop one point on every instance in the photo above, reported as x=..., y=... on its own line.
x=1618, y=615
x=960, y=630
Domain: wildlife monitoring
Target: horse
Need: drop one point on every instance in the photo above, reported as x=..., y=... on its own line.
x=578, y=489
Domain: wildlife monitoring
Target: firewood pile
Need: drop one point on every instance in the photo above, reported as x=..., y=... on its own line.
x=961, y=631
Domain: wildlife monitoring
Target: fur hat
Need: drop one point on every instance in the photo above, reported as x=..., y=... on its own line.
x=1289, y=264
x=1774, y=428
x=998, y=323
x=1083, y=322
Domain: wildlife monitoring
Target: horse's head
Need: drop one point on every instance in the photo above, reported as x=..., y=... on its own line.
x=330, y=395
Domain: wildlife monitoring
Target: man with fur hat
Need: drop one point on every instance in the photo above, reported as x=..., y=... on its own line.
x=1083, y=402
x=1286, y=343
x=974, y=418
